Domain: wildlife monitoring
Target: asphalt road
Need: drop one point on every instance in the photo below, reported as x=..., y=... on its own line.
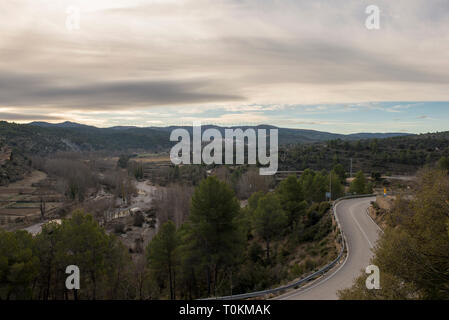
x=361, y=234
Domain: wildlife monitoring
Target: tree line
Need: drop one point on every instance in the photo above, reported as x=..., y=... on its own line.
x=397, y=155
x=34, y=267
x=223, y=249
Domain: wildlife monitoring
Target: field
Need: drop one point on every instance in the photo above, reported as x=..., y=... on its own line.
x=20, y=202
x=150, y=157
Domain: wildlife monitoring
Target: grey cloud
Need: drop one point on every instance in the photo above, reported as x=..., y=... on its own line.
x=232, y=51
x=43, y=90
x=323, y=62
x=26, y=116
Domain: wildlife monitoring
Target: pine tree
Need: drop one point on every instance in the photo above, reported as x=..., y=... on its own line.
x=269, y=219
x=291, y=196
x=162, y=254
x=214, y=229
x=358, y=186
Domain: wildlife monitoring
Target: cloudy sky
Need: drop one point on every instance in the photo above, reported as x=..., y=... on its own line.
x=292, y=63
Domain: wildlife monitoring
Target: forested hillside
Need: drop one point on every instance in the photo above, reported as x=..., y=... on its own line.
x=299, y=149
x=44, y=138
x=20, y=142
x=220, y=249
x=396, y=155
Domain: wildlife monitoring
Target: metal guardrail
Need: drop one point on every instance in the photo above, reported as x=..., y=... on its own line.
x=309, y=277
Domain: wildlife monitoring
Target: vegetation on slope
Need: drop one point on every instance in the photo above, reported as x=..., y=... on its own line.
x=220, y=249
x=413, y=253
x=397, y=155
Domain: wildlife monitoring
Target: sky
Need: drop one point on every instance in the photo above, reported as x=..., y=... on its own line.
x=291, y=63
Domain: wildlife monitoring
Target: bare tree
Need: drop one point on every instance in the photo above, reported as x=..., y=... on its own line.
x=173, y=203
x=42, y=208
x=141, y=275
x=75, y=173
x=101, y=209
x=251, y=181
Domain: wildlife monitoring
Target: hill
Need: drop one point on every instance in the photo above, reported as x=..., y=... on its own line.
x=396, y=155
x=66, y=124
x=286, y=135
x=300, y=148
x=44, y=138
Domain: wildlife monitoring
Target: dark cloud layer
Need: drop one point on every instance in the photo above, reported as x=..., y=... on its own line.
x=22, y=89
x=26, y=116
x=131, y=54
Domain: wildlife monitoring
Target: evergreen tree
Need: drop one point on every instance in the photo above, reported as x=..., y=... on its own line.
x=306, y=181
x=337, y=190
x=320, y=186
x=291, y=196
x=84, y=244
x=269, y=219
x=214, y=230
x=18, y=265
x=443, y=163
x=254, y=200
x=162, y=254
x=358, y=185
x=340, y=172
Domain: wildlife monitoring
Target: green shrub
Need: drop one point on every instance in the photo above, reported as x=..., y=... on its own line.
x=255, y=252
x=297, y=270
x=119, y=228
x=309, y=265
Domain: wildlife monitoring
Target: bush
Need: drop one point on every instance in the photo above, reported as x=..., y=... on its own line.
x=443, y=163
x=255, y=252
x=119, y=228
x=297, y=270
x=309, y=265
x=123, y=161
x=324, y=207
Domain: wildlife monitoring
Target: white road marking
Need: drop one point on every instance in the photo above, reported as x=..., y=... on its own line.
x=361, y=230
x=380, y=229
x=304, y=292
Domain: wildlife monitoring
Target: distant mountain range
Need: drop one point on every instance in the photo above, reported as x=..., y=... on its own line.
x=286, y=135
x=44, y=137
x=67, y=124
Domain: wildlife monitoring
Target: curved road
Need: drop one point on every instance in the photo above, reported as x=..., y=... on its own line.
x=361, y=234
